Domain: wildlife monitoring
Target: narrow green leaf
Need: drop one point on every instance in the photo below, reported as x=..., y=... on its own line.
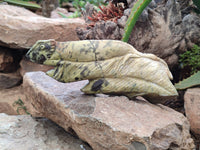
x=27, y=5
x=62, y=15
x=191, y=81
x=136, y=11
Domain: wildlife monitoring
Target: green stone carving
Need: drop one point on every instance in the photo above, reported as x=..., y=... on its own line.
x=111, y=66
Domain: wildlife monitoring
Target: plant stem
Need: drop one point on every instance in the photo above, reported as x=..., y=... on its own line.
x=136, y=11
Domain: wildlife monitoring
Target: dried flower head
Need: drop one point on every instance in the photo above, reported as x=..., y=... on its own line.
x=110, y=12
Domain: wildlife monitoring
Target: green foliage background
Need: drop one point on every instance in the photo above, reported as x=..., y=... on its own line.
x=191, y=58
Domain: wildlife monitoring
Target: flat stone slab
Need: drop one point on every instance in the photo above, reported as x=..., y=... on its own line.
x=107, y=123
x=26, y=133
x=20, y=28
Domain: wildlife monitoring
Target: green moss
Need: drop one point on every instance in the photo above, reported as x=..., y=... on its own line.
x=20, y=106
x=197, y=4
x=191, y=58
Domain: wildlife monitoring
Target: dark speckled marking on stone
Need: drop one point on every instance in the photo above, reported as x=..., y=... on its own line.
x=62, y=49
x=70, y=54
x=62, y=73
x=58, y=63
x=82, y=50
x=76, y=78
x=65, y=47
x=133, y=87
x=33, y=56
x=97, y=85
x=85, y=72
x=68, y=64
x=41, y=59
x=108, y=44
x=47, y=47
x=49, y=55
x=107, y=53
x=106, y=83
x=57, y=68
x=95, y=45
x=55, y=72
x=80, y=67
x=101, y=58
x=86, y=51
x=65, y=66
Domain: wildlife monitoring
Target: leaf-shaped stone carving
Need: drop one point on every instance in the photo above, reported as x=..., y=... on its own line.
x=112, y=67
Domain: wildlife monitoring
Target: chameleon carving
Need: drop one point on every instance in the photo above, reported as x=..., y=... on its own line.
x=111, y=66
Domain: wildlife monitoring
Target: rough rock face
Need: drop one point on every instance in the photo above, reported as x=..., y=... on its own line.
x=55, y=13
x=192, y=108
x=191, y=23
x=27, y=133
x=9, y=80
x=107, y=123
x=48, y=6
x=19, y=30
x=6, y=60
x=28, y=66
x=165, y=29
x=9, y=97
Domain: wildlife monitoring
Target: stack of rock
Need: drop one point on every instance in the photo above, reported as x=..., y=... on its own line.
x=19, y=30
x=107, y=123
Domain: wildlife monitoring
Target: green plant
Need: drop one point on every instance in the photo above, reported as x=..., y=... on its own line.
x=18, y=102
x=80, y=6
x=191, y=81
x=28, y=5
x=20, y=105
x=62, y=1
x=136, y=11
x=191, y=58
x=74, y=15
x=197, y=4
x=97, y=2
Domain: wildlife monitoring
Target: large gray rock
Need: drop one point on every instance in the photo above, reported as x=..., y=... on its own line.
x=19, y=28
x=27, y=133
x=107, y=123
x=191, y=26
